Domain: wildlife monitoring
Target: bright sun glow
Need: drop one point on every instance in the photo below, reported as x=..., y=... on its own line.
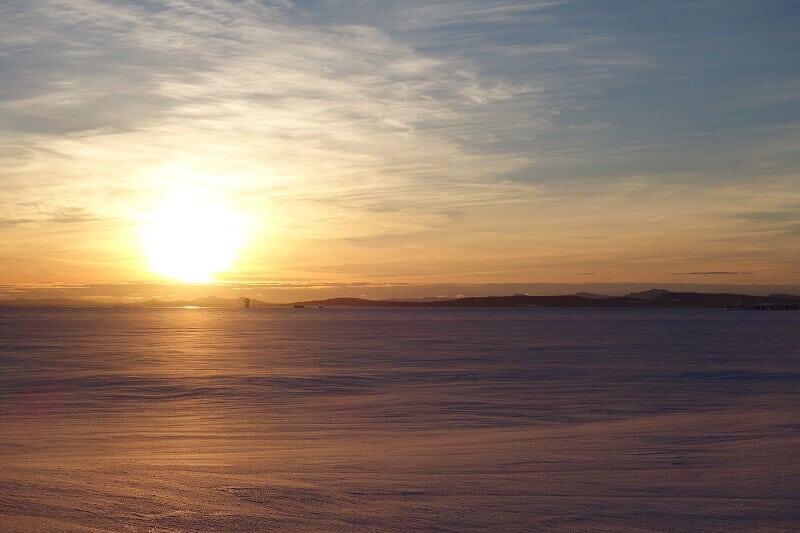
x=193, y=235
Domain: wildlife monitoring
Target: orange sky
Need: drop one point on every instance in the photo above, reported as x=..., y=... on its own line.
x=262, y=143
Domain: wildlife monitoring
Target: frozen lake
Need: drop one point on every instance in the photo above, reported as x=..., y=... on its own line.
x=399, y=419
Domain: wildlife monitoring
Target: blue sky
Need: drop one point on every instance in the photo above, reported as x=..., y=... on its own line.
x=424, y=142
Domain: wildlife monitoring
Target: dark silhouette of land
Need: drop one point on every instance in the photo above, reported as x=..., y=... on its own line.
x=659, y=298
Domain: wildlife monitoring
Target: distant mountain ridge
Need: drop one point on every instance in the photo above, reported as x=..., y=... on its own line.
x=592, y=295
x=660, y=298
x=652, y=294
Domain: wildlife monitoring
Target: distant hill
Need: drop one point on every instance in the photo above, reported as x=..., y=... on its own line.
x=698, y=299
x=663, y=299
x=787, y=297
x=653, y=298
x=427, y=299
x=591, y=295
x=652, y=294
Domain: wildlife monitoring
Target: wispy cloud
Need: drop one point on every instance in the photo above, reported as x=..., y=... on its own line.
x=719, y=273
x=508, y=138
x=34, y=215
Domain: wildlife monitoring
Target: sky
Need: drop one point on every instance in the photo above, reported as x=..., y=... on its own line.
x=370, y=144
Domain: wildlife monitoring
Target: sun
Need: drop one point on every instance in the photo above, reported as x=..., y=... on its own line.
x=193, y=235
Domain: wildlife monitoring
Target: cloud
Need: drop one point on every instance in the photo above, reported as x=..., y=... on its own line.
x=502, y=139
x=782, y=219
x=339, y=116
x=74, y=215
x=331, y=99
x=719, y=273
